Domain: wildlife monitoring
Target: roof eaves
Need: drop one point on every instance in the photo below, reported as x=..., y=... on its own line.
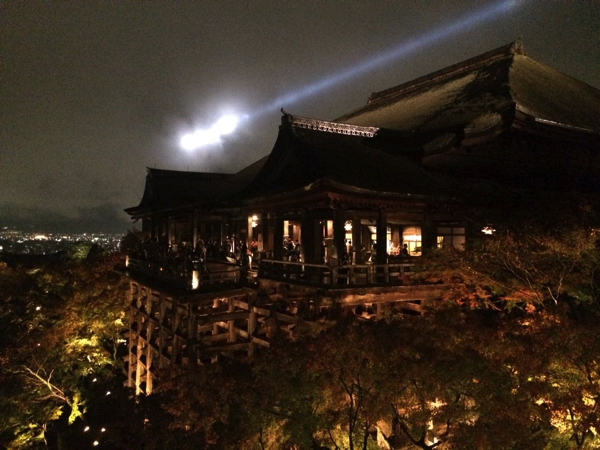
x=505, y=51
x=532, y=117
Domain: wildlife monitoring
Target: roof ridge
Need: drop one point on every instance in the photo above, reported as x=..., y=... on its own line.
x=515, y=47
x=329, y=127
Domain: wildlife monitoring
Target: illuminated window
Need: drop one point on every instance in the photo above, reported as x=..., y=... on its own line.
x=411, y=236
x=373, y=231
x=451, y=236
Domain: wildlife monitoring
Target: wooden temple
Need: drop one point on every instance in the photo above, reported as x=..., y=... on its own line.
x=333, y=220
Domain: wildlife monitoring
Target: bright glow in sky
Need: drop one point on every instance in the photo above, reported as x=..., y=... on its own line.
x=200, y=138
x=227, y=124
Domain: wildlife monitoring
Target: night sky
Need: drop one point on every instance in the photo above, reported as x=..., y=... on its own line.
x=92, y=93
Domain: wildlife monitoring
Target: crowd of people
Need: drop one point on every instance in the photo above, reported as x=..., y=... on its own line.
x=292, y=250
x=184, y=258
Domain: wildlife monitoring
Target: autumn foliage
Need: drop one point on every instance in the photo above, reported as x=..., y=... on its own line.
x=508, y=358
x=62, y=320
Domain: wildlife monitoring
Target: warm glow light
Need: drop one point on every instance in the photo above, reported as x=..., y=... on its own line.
x=96, y=443
x=488, y=230
x=108, y=393
x=86, y=429
x=37, y=308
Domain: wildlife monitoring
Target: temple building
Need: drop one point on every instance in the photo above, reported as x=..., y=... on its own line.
x=333, y=220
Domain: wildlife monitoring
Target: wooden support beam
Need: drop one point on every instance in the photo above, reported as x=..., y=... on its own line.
x=223, y=317
x=261, y=342
x=409, y=306
x=287, y=318
x=215, y=338
x=230, y=347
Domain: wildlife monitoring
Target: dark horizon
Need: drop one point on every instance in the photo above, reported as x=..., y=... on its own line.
x=94, y=220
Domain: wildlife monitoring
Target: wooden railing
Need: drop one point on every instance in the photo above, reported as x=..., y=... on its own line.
x=194, y=278
x=310, y=274
x=349, y=275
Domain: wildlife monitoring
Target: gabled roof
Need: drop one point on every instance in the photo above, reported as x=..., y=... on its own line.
x=494, y=83
x=309, y=150
x=169, y=189
x=368, y=151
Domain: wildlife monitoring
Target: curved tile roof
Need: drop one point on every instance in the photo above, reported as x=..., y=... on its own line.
x=304, y=154
x=495, y=82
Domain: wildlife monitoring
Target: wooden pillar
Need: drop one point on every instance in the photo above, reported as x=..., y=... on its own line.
x=381, y=246
x=153, y=227
x=133, y=298
x=267, y=241
x=428, y=234
x=278, y=239
x=202, y=233
x=357, y=241
x=149, y=386
x=162, y=341
x=168, y=224
x=252, y=321
x=195, y=231
x=308, y=239
x=215, y=330
x=339, y=233
x=231, y=323
x=138, y=365
x=250, y=235
x=222, y=232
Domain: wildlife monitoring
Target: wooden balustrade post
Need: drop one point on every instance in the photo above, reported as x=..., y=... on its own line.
x=231, y=323
x=252, y=320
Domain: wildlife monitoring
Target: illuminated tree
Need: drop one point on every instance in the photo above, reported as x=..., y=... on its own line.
x=63, y=322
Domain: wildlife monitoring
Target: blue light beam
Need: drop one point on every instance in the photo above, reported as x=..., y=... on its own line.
x=402, y=50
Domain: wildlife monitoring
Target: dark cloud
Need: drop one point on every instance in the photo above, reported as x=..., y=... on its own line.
x=94, y=92
x=106, y=218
